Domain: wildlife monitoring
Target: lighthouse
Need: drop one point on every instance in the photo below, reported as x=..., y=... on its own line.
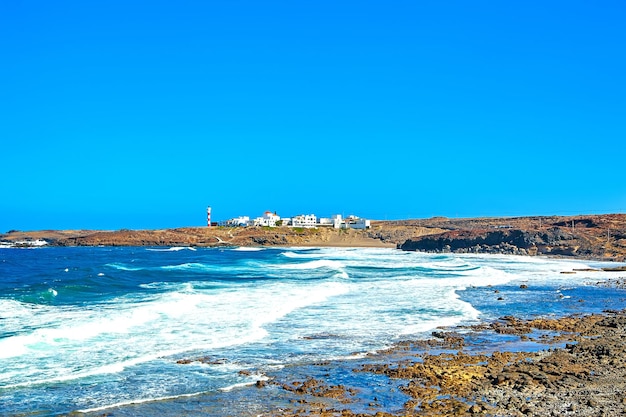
x=208, y=216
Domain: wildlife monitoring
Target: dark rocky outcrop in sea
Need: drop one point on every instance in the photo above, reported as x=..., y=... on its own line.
x=556, y=240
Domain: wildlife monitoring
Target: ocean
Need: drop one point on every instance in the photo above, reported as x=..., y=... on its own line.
x=127, y=331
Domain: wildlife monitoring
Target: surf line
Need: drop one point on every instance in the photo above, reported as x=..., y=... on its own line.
x=140, y=401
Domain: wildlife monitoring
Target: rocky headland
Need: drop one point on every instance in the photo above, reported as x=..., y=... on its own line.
x=588, y=237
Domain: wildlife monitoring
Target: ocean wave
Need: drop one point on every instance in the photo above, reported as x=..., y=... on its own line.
x=164, y=285
x=112, y=368
x=95, y=342
x=480, y=277
x=172, y=249
x=320, y=263
x=255, y=377
x=294, y=255
x=123, y=267
x=342, y=275
x=248, y=249
x=189, y=266
x=140, y=401
x=452, y=264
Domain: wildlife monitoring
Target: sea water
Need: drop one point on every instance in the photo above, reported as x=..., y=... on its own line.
x=88, y=329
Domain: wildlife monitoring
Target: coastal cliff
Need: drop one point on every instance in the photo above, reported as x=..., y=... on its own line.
x=598, y=237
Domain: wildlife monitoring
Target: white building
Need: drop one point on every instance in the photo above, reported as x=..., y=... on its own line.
x=241, y=221
x=334, y=221
x=354, y=222
x=269, y=219
x=360, y=224
x=304, y=220
x=325, y=221
x=337, y=221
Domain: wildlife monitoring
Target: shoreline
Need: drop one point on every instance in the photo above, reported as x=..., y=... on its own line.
x=458, y=371
x=577, y=367
x=574, y=365
x=591, y=237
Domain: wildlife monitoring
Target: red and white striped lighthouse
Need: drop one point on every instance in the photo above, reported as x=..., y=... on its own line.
x=208, y=216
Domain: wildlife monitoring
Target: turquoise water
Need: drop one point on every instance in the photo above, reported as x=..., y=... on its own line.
x=87, y=329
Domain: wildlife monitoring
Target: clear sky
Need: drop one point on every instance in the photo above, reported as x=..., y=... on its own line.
x=139, y=114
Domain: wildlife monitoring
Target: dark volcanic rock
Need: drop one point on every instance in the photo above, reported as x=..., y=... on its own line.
x=506, y=241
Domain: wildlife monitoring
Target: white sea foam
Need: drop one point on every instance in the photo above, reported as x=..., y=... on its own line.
x=247, y=249
x=123, y=267
x=140, y=401
x=250, y=310
x=321, y=263
x=257, y=377
x=172, y=249
x=103, y=341
x=295, y=255
x=190, y=266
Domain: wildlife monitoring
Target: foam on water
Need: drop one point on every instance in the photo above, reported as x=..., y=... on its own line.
x=322, y=263
x=253, y=380
x=139, y=401
x=257, y=309
x=120, y=266
x=294, y=255
x=172, y=249
x=191, y=266
x=103, y=341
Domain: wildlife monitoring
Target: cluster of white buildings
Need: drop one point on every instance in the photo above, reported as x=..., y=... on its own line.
x=270, y=219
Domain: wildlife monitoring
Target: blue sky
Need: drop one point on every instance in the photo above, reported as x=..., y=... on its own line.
x=118, y=114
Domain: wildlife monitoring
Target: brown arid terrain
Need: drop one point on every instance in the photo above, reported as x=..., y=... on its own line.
x=588, y=237
x=382, y=234
x=584, y=236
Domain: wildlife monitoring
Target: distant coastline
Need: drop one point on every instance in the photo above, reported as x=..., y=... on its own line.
x=600, y=237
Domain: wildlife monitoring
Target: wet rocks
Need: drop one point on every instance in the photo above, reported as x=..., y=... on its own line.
x=317, y=388
x=206, y=360
x=587, y=377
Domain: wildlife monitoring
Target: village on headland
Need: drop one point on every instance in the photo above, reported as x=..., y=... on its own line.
x=272, y=219
x=600, y=237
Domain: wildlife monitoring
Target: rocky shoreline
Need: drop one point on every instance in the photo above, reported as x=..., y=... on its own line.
x=586, y=237
x=581, y=372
